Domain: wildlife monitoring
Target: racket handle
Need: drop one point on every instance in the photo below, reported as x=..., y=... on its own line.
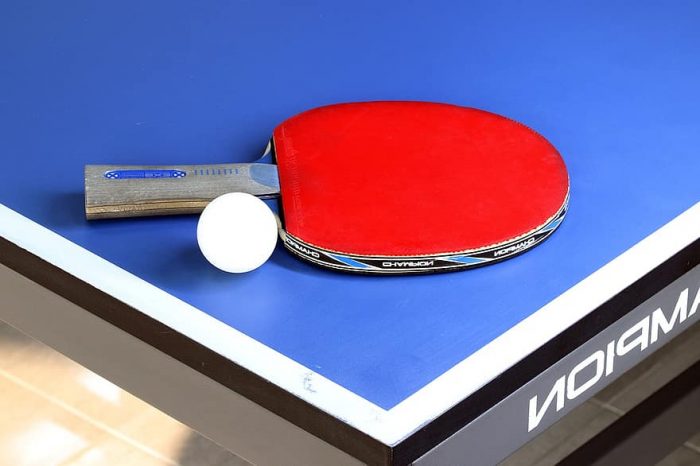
x=113, y=191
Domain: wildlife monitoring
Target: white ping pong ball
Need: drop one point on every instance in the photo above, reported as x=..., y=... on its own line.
x=237, y=232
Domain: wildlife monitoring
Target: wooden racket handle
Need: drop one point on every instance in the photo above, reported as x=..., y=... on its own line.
x=113, y=191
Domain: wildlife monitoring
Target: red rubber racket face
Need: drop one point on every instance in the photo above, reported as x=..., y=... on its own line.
x=392, y=187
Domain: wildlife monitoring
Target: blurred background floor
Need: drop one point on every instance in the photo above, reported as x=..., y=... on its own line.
x=55, y=412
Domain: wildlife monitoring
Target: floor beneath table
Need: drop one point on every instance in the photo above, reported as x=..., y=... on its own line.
x=55, y=412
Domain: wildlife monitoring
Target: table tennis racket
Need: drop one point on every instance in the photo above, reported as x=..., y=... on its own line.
x=374, y=187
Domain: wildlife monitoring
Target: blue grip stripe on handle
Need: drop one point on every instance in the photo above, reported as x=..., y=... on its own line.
x=132, y=174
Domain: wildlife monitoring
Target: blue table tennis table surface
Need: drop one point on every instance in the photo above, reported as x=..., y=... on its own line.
x=613, y=85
